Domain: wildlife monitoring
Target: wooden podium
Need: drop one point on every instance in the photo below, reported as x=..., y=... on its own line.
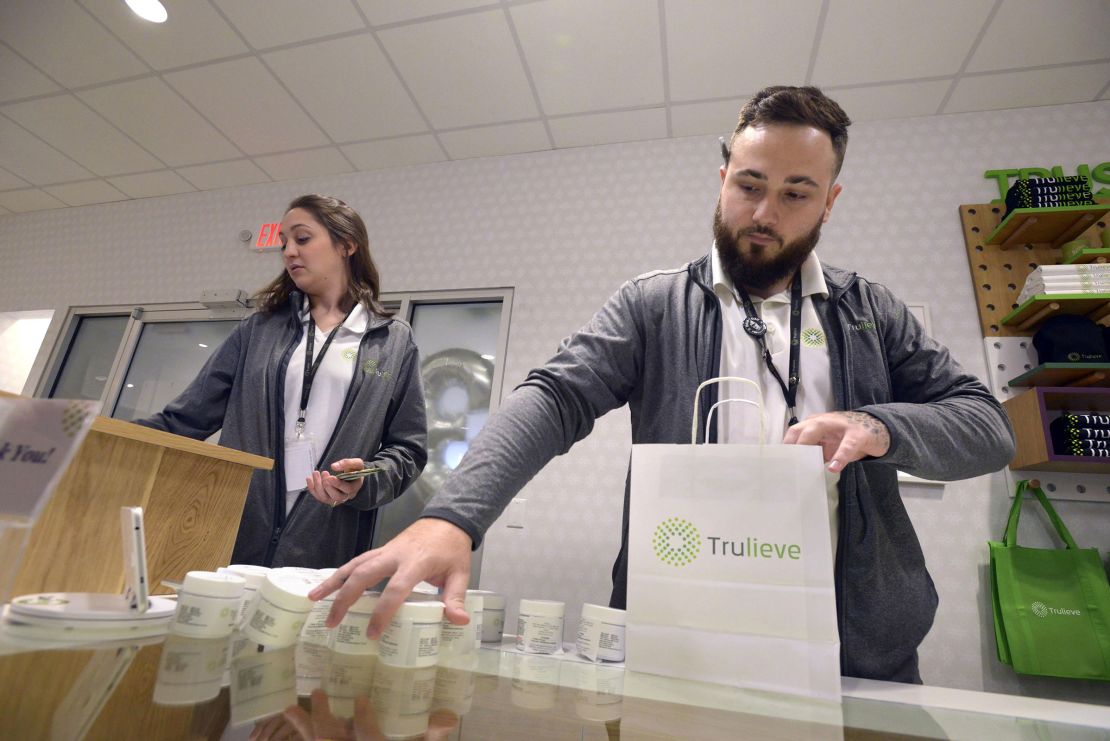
x=192, y=496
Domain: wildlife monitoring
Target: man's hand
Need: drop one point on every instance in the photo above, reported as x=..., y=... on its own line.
x=430, y=550
x=331, y=491
x=843, y=436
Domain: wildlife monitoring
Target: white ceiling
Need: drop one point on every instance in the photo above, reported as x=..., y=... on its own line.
x=97, y=105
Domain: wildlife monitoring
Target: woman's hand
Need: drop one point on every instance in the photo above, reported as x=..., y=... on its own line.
x=331, y=491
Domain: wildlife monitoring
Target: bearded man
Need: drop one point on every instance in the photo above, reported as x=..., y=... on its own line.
x=842, y=364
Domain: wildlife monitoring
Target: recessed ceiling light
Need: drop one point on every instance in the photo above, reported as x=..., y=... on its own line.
x=201, y=344
x=149, y=10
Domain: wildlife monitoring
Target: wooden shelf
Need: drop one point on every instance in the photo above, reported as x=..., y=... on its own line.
x=1031, y=412
x=1027, y=317
x=998, y=275
x=1039, y=225
x=1094, y=254
x=1074, y=375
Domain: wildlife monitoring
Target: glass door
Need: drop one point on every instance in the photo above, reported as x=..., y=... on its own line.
x=462, y=338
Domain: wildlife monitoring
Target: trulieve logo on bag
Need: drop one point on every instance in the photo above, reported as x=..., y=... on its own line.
x=677, y=542
x=1040, y=609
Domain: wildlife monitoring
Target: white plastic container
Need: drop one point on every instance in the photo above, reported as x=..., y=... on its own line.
x=412, y=638
x=539, y=626
x=253, y=576
x=315, y=628
x=349, y=637
x=493, y=615
x=461, y=640
x=207, y=605
x=601, y=633
x=280, y=611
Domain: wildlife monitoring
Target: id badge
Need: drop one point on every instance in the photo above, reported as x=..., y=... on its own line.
x=300, y=462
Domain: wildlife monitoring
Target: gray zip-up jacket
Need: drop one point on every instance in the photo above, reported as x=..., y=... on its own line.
x=241, y=391
x=659, y=337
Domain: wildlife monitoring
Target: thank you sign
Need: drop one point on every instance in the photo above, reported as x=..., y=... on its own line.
x=38, y=437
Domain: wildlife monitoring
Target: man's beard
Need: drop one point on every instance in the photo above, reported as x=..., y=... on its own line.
x=752, y=270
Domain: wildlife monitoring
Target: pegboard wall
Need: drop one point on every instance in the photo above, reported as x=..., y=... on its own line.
x=998, y=274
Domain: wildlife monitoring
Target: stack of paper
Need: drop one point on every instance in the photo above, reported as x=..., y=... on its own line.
x=1059, y=279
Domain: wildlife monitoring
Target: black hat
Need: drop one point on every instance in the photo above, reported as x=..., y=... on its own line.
x=1065, y=338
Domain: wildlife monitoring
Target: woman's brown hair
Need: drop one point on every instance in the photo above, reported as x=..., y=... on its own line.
x=346, y=228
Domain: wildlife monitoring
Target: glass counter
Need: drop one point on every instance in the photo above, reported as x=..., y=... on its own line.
x=176, y=688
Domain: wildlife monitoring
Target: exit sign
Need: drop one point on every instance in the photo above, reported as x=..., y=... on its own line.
x=268, y=237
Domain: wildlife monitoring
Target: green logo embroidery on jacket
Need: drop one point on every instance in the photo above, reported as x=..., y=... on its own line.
x=371, y=367
x=813, y=337
x=350, y=353
x=862, y=326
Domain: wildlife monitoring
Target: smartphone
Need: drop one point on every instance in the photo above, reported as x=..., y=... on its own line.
x=359, y=474
x=136, y=591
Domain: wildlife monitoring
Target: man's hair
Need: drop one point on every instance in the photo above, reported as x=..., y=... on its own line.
x=805, y=106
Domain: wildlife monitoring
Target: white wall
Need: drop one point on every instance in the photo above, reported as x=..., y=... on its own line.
x=565, y=228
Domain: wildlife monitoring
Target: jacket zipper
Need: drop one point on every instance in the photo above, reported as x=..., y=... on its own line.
x=841, y=555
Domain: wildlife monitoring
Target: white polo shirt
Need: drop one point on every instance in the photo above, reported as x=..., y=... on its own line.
x=330, y=385
x=742, y=356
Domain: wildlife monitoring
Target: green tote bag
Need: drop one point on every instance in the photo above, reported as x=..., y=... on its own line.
x=1051, y=605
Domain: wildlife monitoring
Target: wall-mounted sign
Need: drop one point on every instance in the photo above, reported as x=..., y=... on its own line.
x=268, y=237
x=1097, y=176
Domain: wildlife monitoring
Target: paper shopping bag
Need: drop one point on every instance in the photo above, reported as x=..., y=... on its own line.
x=730, y=567
x=1051, y=605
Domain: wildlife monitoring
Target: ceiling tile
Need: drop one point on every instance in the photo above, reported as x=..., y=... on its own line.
x=21, y=80
x=49, y=32
x=86, y=193
x=380, y=12
x=569, y=48
x=8, y=181
x=1027, y=33
x=4, y=210
x=607, y=128
x=717, y=117
x=223, y=175
x=269, y=23
x=367, y=101
x=489, y=141
x=401, y=152
x=19, y=201
x=149, y=184
x=463, y=70
x=194, y=32
x=33, y=160
x=71, y=127
x=155, y=116
x=879, y=40
x=248, y=105
x=726, y=49
x=1031, y=88
x=309, y=164
x=904, y=100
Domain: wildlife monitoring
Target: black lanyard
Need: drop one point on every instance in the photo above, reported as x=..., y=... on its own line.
x=757, y=329
x=311, y=367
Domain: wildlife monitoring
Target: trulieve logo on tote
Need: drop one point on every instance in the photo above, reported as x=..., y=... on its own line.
x=1040, y=609
x=677, y=542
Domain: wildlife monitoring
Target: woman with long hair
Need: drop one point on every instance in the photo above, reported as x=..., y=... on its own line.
x=320, y=377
